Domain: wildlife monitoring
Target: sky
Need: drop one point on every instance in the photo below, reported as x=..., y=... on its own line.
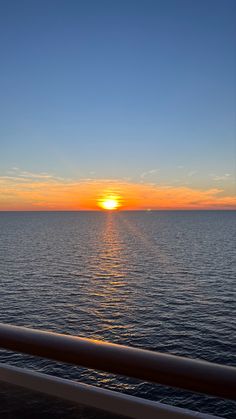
x=130, y=99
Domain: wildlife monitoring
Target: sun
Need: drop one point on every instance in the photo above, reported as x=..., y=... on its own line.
x=109, y=203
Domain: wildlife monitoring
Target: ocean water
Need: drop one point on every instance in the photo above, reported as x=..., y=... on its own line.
x=157, y=280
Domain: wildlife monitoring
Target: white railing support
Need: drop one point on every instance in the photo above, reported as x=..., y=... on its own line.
x=95, y=397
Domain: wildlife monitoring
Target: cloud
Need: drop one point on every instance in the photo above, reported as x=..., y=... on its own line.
x=15, y=174
x=33, y=191
x=35, y=175
x=149, y=173
x=218, y=178
x=192, y=173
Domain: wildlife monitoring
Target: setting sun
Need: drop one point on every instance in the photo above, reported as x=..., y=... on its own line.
x=111, y=203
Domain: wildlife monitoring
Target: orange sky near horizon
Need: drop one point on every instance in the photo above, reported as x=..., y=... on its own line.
x=44, y=192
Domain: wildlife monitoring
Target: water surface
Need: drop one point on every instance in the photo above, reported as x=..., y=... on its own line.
x=158, y=280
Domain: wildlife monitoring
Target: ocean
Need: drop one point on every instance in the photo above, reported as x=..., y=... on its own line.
x=159, y=280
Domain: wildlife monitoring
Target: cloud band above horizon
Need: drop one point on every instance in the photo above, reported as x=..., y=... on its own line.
x=24, y=191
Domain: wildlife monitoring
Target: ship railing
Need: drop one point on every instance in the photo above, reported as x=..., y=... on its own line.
x=169, y=370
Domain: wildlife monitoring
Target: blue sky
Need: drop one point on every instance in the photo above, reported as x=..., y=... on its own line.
x=137, y=90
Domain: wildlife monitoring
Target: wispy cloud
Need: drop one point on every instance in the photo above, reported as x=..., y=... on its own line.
x=17, y=174
x=217, y=178
x=192, y=173
x=149, y=173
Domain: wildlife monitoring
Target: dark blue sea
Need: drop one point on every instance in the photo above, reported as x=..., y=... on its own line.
x=159, y=280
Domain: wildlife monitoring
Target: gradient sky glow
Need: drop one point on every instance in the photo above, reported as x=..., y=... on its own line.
x=130, y=97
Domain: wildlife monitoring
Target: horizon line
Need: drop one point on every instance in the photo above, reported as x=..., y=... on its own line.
x=126, y=210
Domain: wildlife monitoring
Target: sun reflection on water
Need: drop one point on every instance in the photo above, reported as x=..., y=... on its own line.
x=110, y=288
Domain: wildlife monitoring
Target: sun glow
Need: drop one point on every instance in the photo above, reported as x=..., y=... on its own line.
x=109, y=203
